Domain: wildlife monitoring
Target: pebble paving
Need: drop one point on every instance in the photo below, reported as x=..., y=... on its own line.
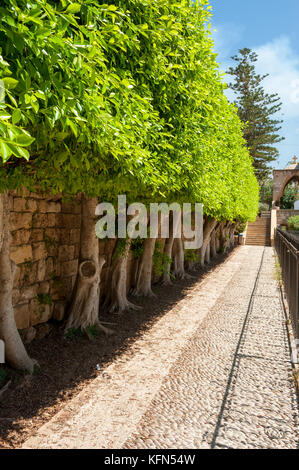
x=232, y=385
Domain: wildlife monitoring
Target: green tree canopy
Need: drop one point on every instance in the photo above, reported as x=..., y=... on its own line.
x=257, y=110
x=120, y=97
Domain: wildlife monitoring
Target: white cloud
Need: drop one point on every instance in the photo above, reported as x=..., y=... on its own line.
x=282, y=63
x=278, y=59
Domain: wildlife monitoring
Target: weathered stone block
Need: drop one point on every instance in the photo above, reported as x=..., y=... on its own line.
x=20, y=220
x=19, y=204
x=64, y=236
x=39, y=313
x=49, y=206
x=10, y=202
x=37, y=235
x=22, y=316
x=68, y=221
x=75, y=235
x=39, y=251
x=71, y=207
x=31, y=205
x=43, y=287
x=69, y=268
x=50, y=268
x=39, y=220
x=15, y=296
x=52, y=234
x=28, y=293
x=20, y=254
x=28, y=273
x=62, y=289
x=24, y=205
x=20, y=237
x=17, y=276
x=77, y=251
x=66, y=252
x=41, y=270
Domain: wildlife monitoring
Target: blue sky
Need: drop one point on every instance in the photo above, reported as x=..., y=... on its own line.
x=271, y=28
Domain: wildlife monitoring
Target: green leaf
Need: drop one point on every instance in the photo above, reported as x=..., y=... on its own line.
x=5, y=151
x=16, y=116
x=73, y=8
x=24, y=140
x=4, y=115
x=19, y=152
x=10, y=83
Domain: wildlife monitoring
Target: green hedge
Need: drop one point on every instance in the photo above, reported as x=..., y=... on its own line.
x=293, y=222
x=120, y=97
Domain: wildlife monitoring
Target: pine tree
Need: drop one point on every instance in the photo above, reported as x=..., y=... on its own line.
x=257, y=110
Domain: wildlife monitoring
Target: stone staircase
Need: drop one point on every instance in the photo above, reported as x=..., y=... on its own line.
x=258, y=232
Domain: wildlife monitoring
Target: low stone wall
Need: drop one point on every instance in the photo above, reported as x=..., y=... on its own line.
x=45, y=245
x=45, y=240
x=283, y=215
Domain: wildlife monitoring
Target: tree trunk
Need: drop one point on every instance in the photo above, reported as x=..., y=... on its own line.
x=116, y=300
x=15, y=352
x=84, y=310
x=165, y=279
x=143, y=281
x=213, y=243
x=178, y=259
x=217, y=239
x=232, y=235
x=224, y=237
x=209, y=226
x=208, y=253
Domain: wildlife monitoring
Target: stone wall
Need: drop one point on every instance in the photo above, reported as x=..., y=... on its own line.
x=45, y=238
x=283, y=215
x=45, y=245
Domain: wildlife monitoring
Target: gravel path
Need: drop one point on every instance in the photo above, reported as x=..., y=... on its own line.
x=232, y=386
x=213, y=372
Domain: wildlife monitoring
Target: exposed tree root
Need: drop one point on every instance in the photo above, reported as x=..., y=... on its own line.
x=84, y=310
x=165, y=278
x=178, y=260
x=209, y=226
x=116, y=300
x=143, y=281
x=213, y=241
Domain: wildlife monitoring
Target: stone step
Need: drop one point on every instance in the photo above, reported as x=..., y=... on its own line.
x=260, y=223
x=257, y=235
x=258, y=244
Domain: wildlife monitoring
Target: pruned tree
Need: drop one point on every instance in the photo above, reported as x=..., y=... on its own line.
x=84, y=310
x=116, y=299
x=258, y=111
x=209, y=226
x=143, y=283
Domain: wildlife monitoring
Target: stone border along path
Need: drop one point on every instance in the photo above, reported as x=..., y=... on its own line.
x=214, y=372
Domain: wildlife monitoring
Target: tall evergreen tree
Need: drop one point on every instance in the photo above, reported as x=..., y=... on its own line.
x=257, y=110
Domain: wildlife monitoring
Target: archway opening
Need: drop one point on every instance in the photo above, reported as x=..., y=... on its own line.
x=290, y=194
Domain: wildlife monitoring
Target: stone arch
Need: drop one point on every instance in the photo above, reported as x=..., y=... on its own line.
x=281, y=178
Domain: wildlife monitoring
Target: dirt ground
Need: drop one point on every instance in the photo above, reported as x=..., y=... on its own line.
x=69, y=364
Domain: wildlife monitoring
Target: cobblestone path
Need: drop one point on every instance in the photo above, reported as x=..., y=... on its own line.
x=214, y=372
x=232, y=386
